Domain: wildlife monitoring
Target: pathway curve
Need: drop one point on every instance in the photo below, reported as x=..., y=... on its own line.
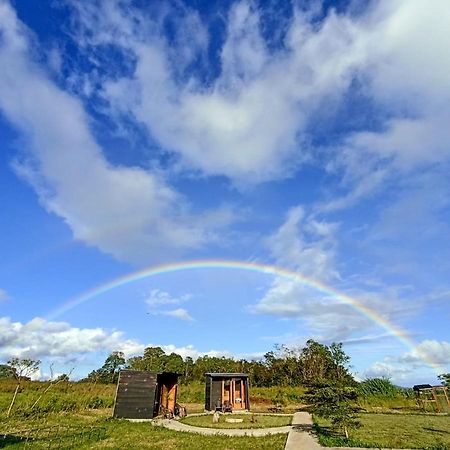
x=299, y=433
x=178, y=426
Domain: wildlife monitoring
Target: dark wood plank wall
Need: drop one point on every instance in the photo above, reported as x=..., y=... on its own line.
x=216, y=393
x=135, y=396
x=208, y=405
x=247, y=396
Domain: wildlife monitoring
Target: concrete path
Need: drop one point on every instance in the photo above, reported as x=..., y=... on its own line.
x=178, y=426
x=300, y=437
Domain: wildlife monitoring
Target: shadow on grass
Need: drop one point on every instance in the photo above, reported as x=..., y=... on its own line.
x=435, y=430
x=10, y=439
x=329, y=437
x=54, y=437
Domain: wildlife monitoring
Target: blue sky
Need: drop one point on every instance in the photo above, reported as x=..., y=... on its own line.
x=311, y=135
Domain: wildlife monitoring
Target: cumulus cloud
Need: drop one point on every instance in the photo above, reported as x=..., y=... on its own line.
x=40, y=338
x=128, y=212
x=67, y=345
x=158, y=299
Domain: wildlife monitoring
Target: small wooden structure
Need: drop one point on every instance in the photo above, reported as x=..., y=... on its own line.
x=143, y=395
x=226, y=392
x=432, y=398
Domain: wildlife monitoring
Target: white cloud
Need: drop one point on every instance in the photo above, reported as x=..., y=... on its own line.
x=414, y=364
x=39, y=338
x=305, y=244
x=248, y=124
x=158, y=299
x=251, y=123
x=128, y=212
x=308, y=246
x=437, y=352
x=179, y=313
x=66, y=345
x=386, y=370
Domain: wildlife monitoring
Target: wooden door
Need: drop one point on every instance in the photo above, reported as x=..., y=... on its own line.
x=238, y=394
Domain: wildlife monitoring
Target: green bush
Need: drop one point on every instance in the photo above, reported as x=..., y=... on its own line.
x=382, y=387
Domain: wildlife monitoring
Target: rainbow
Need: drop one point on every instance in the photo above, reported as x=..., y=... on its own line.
x=297, y=277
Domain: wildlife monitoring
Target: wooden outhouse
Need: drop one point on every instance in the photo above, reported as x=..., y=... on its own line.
x=226, y=391
x=143, y=395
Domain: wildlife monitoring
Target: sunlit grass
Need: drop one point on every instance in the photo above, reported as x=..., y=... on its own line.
x=121, y=434
x=418, y=431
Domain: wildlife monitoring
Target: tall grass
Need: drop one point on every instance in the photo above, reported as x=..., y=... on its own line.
x=381, y=393
x=383, y=387
x=65, y=396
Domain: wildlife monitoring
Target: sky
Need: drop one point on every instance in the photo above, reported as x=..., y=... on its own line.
x=311, y=136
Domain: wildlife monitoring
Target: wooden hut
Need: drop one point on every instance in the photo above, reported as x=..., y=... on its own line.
x=143, y=395
x=226, y=391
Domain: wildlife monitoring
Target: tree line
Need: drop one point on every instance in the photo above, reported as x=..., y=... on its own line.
x=281, y=367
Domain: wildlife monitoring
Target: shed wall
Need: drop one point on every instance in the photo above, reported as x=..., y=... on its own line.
x=135, y=396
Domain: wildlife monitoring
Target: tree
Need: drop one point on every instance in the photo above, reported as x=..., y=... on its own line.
x=332, y=390
x=316, y=360
x=6, y=371
x=174, y=363
x=109, y=372
x=335, y=401
x=445, y=379
x=22, y=370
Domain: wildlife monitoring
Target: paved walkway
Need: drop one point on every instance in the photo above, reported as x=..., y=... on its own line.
x=300, y=437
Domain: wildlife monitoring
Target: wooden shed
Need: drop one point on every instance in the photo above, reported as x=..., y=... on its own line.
x=143, y=395
x=226, y=391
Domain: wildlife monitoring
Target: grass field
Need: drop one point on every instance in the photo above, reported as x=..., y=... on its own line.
x=248, y=421
x=86, y=404
x=121, y=434
x=62, y=397
x=419, y=431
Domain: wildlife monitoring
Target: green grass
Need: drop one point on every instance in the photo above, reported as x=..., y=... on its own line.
x=62, y=397
x=191, y=393
x=414, y=431
x=75, y=404
x=121, y=434
x=260, y=421
x=290, y=394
